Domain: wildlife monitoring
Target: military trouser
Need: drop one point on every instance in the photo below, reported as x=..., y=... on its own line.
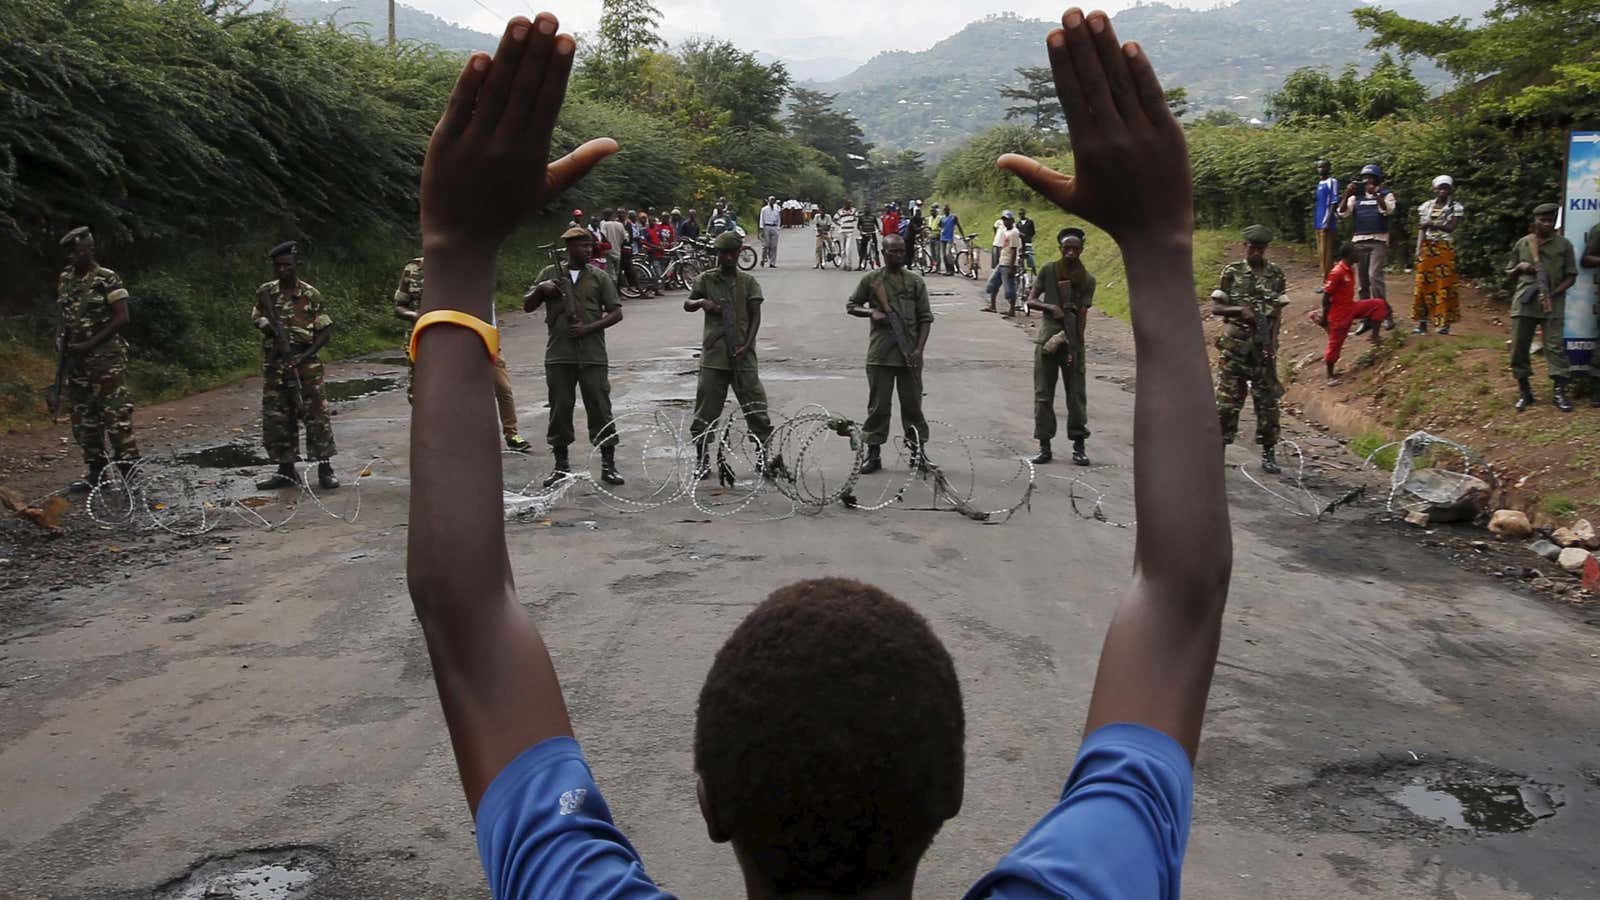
x=1555, y=350
x=882, y=384
x=1047, y=369
x=712, y=392
x=1255, y=373
x=100, y=406
x=503, y=398
x=565, y=381
x=281, y=421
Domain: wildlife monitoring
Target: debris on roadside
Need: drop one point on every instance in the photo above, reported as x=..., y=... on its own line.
x=1510, y=523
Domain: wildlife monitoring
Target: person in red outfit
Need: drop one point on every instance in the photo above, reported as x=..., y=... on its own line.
x=1340, y=308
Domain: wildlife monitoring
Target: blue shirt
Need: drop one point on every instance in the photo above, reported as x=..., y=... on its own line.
x=947, y=229
x=1119, y=830
x=1327, y=203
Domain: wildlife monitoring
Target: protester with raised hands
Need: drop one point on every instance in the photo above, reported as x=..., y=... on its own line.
x=842, y=694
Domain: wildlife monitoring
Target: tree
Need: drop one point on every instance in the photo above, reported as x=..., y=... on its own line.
x=814, y=122
x=626, y=31
x=1178, y=101
x=1536, y=58
x=1308, y=94
x=724, y=77
x=1220, y=118
x=1038, y=96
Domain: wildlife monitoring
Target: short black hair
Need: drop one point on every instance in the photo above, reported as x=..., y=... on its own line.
x=1347, y=250
x=829, y=737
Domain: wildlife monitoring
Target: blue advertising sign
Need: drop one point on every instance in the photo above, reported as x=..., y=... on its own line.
x=1580, y=215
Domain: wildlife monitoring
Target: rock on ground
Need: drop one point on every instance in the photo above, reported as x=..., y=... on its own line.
x=1511, y=523
x=1573, y=559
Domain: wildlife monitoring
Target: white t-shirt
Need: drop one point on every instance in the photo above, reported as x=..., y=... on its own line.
x=1009, y=240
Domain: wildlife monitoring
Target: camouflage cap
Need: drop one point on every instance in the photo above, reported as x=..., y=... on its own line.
x=72, y=237
x=287, y=247
x=728, y=241
x=575, y=233
x=1258, y=234
x=1546, y=209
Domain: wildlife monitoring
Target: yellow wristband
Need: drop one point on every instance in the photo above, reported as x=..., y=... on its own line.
x=490, y=334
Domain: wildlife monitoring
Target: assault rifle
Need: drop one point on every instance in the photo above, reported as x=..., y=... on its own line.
x=896, y=325
x=282, y=350
x=1542, y=278
x=53, y=393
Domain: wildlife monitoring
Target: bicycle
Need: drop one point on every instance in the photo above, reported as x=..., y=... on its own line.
x=833, y=252
x=682, y=270
x=969, y=258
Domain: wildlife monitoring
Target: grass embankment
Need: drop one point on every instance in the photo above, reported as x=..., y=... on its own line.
x=191, y=328
x=1100, y=253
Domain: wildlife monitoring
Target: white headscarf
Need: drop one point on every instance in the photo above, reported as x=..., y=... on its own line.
x=1444, y=179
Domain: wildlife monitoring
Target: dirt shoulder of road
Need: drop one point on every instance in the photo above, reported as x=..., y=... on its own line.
x=1457, y=386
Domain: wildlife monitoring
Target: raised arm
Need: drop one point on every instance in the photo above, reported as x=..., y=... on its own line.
x=494, y=676
x=1156, y=665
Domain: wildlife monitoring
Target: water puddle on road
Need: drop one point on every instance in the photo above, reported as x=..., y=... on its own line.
x=225, y=456
x=356, y=388
x=1480, y=808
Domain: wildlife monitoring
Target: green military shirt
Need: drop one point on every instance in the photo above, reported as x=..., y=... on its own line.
x=409, y=294
x=1560, y=263
x=1263, y=294
x=737, y=295
x=86, y=304
x=1081, y=297
x=300, y=311
x=908, y=295
x=592, y=297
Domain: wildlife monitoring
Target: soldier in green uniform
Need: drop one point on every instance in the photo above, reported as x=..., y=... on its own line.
x=1253, y=305
x=94, y=307
x=896, y=300
x=1545, y=266
x=1063, y=292
x=294, y=327
x=581, y=303
x=408, y=306
x=731, y=301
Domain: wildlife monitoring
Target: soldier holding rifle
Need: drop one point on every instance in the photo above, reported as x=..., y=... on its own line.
x=93, y=359
x=896, y=300
x=294, y=327
x=1544, y=265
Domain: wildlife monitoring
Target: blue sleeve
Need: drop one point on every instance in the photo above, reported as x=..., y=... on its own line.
x=1119, y=831
x=544, y=833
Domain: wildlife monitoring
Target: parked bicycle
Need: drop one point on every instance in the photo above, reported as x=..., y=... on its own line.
x=969, y=258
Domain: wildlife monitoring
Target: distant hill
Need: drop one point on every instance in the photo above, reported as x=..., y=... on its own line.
x=372, y=17
x=1228, y=57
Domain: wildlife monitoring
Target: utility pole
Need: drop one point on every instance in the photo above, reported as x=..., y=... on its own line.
x=391, y=24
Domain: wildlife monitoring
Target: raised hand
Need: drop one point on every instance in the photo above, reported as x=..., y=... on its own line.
x=1123, y=134
x=488, y=161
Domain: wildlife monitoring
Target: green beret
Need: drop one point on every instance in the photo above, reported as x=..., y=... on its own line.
x=1546, y=209
x=287, y=247
x=728, y=241
x=71, y=237
x=576, y=233
x=1258, y=234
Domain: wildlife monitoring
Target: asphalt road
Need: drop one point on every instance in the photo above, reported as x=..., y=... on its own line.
x=270, y=690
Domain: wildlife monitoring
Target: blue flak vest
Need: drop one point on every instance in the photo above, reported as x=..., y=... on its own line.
x=1369, y=219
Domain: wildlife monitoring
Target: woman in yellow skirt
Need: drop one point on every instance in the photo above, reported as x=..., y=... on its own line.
x=1435, y=298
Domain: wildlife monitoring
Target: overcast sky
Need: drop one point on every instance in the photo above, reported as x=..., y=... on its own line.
x=803, y=30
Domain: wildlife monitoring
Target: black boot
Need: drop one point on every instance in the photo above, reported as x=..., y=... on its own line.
x=88, y=482
x=325, y=477
x=1080, y=457
x=1524, y=395
x=608, y=466
x=874, y=460
x=284, y=477
x=562, y=469
x=1044, y=453
x=1559, y=395
x=1269, y=461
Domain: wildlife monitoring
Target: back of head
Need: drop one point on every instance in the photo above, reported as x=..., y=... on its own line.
x=829, y=738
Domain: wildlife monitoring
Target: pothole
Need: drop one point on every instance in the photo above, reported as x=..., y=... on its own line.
x=279, y=873
x=1422, y=797
x=225, y=456
x=356, y=388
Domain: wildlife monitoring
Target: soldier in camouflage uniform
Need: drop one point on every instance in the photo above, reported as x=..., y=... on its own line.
x=94, y=307
x=294, y=326
x=728, y=349
x=1250, y=297
x=408, y=306
x=889, y=370
x=581, y=303
x=1063, y=293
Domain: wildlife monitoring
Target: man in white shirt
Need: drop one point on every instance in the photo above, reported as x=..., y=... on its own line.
x=847, y=224
x=1007, y=248
x=999, y=239
x=824, y=225
x=771, y=221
